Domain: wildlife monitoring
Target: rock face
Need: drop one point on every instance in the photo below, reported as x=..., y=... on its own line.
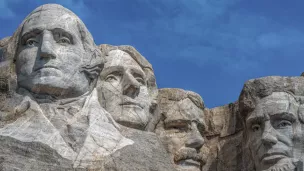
x=67, y=104
x=181, y=127
x=52, y=119
x=127, y=87
x=272, y=110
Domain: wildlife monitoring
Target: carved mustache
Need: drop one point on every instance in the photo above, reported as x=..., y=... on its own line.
x=188, y=153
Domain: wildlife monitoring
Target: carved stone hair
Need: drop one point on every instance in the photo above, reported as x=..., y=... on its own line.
x=168, y=95
x=176, y=94
x=93, y=64
x=256, y=89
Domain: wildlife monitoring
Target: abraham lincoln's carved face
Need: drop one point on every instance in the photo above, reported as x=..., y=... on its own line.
x=272, y=129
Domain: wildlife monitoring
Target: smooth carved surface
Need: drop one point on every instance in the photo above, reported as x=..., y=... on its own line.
x=67, y=104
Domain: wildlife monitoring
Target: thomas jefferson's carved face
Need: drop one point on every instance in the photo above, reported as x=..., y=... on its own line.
x=271, y=129
x=50, y=55
x=123, y=90
x=181, y=132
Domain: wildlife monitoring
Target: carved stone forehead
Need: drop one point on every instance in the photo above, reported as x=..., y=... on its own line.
x=51, y=16
x=54, y=8
x=256, y=89
x=276, y=103
x=183, y=110
x=118, y=58
x=178, y=104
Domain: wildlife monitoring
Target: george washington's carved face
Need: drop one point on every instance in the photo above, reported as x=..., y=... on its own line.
x=50, y=55
x=271, y=131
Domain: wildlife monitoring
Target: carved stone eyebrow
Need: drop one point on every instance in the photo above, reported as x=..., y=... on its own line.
x=30, y=33
x=63, y=32
x=255, y=119
x=170, y=122
x=111, y=69
x=284, y=115
x=138, y=72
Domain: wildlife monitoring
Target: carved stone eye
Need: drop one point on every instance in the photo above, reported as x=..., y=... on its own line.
x=284, y=124
x=64, y=40
x=111, y=78
x=30, y=42
x=140, y=80
x=255, y=128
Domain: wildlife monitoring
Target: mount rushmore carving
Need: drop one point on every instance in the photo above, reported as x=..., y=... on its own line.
x=68, y=104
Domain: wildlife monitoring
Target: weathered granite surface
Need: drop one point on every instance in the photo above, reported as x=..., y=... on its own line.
x=272, y=111
x=127, y=87
x=67, y=104
x=52, y=119
x=181, y=128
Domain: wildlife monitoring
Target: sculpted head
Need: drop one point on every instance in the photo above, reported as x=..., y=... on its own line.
x=127, y=87
x=273, y=111
x=181, y=127
x=55, y=54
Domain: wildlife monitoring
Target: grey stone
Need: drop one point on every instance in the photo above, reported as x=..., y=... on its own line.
x=272, y=111
x=181, y=128
x=67, y=104
x=146, y=154
x=224, y=134
x=127, y=87
x=54, y=117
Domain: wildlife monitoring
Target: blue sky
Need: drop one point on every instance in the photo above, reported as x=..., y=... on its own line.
x=208, y=46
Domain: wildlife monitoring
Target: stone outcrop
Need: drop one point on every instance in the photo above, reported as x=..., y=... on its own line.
x=68, y=104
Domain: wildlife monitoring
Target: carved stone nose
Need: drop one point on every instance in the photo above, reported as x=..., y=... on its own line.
x=47, y=49
x=269, y=135
x=131, y=87
x=131, y=91
x=196, y=143
x=195, y=139
x=268, y=138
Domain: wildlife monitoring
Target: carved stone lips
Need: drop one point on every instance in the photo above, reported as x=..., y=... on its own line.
x=130, y=103
x=189, y=162
x=45, y=66
x=272, y=157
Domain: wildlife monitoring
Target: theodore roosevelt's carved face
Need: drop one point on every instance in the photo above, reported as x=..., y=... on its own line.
x=181, y=131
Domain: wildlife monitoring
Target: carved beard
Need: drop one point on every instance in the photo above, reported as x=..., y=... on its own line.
x=283, y=165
